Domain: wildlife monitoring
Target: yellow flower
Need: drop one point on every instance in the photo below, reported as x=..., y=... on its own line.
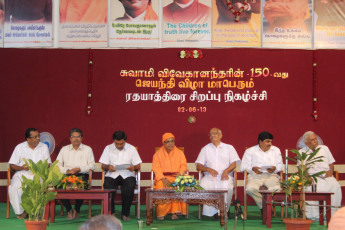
x=293, y=182
x=300, y=183
x=177, y=180
x=182, y=182
x=190, y=180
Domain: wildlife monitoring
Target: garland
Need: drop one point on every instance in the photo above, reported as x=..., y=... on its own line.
x=237, y=13
x=191, y=54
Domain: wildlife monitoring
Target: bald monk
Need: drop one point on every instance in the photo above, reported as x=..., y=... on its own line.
x=169, y=162
x=287, y=14
x=138, y=11
x=83, y=11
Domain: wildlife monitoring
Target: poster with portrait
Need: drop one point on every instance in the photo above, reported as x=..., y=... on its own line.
x=231, y=30
x=186, y=23
x=329, y=28
x=287, y=24
x=134, y=23
x=83, y=24
x=2, y=14
x=28, y=23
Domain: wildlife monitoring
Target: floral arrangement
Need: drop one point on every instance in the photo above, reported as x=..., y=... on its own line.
x=72, y=183
x=301, y=179
x=191, y=54
x=237, y=13
x=183, y=182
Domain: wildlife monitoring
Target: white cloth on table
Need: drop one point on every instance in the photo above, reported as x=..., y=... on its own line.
x=218, y=158
x=21, y=151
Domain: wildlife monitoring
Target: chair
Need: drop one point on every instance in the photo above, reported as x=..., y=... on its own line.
x=201, y=175
x=8, y=197
x=136, y=199
x=85, y=201
x=261, y=188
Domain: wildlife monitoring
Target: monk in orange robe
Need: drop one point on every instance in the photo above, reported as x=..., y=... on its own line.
x=94, y=11
x=169, y=162
x=287, y=14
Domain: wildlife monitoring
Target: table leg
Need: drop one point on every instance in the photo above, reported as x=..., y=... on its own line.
x=268, y=214
x=221, y=204
x=106, y=203
x=52, y=211
x=329, y=210
x=149, y=217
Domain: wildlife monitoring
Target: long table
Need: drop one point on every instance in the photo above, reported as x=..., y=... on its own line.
x=268, y=196
x=92, y=194
x=216, y=198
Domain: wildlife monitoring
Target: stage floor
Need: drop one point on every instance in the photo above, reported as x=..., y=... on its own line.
x=253, y=222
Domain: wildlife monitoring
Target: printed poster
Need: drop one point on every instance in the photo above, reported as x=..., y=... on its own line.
x=2, y=15
x=28, y=23
x=287, y=24
x=329, y=24
x=134, y=23
x=83, y=24
x=187, y=24
x=243, y=30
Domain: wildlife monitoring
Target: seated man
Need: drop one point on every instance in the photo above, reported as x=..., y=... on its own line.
x=325, y=184
x=169, y=162
x=32, y=149
x=262, y=162
x=217, y=160
x=118, y=154
x=75, y=159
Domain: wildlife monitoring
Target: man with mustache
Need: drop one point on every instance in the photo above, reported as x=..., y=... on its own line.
x=262, y=162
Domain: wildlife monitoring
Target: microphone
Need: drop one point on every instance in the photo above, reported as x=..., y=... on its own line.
x=237, y=204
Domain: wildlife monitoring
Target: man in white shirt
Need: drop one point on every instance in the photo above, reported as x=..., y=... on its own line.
x=217, y=160
x=262, y=162
x=75, y=159
x=30, y=149
x=327, y=183
x=120, y=159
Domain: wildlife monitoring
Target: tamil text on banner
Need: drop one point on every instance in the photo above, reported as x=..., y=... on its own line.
x=236, y=24
x=28, y=23
x=287, y=24
x=329, y=24
x=187, y=24
x=134, y=23
x=83, y=23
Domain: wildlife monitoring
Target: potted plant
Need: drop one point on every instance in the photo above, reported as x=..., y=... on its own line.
x=37, y=192
x=297, y=182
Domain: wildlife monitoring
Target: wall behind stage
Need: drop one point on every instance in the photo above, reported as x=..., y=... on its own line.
x=47, y=89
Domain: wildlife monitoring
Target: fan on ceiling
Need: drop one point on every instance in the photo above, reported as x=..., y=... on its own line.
x=301, y=144
x=48, y=139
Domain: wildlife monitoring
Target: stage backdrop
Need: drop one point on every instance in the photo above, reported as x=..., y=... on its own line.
x=240, y=91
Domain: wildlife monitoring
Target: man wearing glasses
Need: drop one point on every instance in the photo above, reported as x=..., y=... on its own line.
x=75, y=159
x=32, y=149
x=217, y=160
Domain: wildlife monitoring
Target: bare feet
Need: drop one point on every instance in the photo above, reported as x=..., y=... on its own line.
x=75, y=214
x=70, y=215
x=160, y=217
x=125, y=218
x=174, y=217
x=24, y=215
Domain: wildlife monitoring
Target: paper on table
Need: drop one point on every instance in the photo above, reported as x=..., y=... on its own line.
x=121, y=167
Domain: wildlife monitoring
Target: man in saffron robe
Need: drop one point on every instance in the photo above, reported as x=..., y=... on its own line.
x=186, y=11
x=72, y=11
x=169, y=162
x=138, y=11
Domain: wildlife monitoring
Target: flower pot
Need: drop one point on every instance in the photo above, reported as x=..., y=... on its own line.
x=36, y=225
x=297, y=223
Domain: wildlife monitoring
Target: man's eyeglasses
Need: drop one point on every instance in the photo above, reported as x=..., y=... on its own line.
x=167, y=142
x=214, y=134
x=35, y=137
x=75, y=136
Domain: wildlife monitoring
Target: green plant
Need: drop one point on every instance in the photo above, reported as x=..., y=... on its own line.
x=301, y=179
x=36, y=192
x=181, y=182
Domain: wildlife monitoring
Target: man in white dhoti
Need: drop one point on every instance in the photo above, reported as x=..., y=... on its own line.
x=327, y=183
x=217, y=161
x=30, y=149
x=262, y=162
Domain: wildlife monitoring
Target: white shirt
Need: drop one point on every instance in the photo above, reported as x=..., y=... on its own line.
x=218, y=158
x=23, y=150
x=320, y=166
x=256, y=157
x=113, y=156
x=81, y=158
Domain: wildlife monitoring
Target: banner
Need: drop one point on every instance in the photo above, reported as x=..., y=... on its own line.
x=230, y=30
x=83, y=24
x=186, y=25
x=329, y=24
x=28, y=24
x=1, y=23
x=134, y=23
x=287, y=24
